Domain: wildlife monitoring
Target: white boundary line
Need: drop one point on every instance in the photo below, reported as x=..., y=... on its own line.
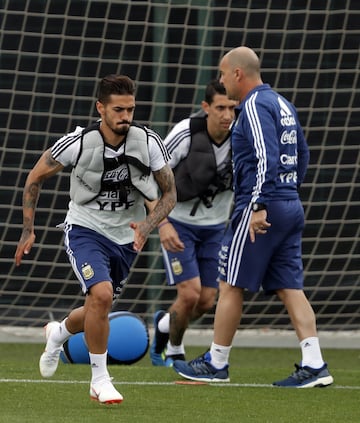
x=154, y=383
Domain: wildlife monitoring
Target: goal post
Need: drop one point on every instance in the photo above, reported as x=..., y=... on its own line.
x=54, y=53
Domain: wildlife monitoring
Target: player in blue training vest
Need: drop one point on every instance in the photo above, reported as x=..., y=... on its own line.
x=262, y=246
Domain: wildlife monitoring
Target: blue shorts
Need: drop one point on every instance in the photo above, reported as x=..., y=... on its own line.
x=95, y=258
x=200, y=256
x=274, y=261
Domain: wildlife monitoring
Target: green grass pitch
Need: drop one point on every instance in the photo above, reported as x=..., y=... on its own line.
x=151, y=394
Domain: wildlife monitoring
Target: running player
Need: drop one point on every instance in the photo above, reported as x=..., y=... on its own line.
x=116, y=165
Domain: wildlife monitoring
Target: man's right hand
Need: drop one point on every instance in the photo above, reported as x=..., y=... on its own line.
x=24, y=246
x=169, y=238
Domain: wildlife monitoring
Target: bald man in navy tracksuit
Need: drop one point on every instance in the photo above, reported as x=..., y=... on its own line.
x=262, y=247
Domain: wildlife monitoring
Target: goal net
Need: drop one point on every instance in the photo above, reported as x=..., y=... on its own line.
x=53, y=53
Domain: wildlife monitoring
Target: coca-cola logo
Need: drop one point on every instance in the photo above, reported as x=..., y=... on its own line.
x=289, y=137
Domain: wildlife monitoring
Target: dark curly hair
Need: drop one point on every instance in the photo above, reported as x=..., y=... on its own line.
x=115, y=84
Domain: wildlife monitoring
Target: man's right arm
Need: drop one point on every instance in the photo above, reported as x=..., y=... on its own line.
x=43, y=169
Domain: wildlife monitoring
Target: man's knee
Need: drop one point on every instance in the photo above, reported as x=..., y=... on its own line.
x=207, y=299
x=101, y=296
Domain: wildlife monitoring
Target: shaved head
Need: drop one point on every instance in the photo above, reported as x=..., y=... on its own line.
x=240, y=72
x=245, y=58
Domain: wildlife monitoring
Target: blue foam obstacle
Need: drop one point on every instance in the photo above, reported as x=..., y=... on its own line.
x=128, y=341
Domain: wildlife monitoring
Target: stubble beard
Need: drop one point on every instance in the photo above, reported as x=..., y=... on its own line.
x=120, y=131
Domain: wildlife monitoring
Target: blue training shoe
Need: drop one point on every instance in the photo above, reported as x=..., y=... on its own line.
x=307, y=377
x=159, y=343
x=200, y=369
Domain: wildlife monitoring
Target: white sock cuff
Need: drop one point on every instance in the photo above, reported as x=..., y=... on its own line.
x=311, y=353
x=219, y=355
x=164, y=323
x=64, y=329
x=58, y=336
x=312, y=340
x=98, y=364
x=97, y=357
x=175, y=349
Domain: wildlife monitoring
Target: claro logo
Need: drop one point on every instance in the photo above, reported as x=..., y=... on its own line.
x=288, y=160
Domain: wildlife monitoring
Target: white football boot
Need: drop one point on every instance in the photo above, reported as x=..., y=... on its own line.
x=49, y=359
x=104, y=392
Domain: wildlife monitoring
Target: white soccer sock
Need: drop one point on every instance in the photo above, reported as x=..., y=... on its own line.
x=175, y=349
x=219, y=355
x=98, y=363
x=311, y=353
x=64, y=334
x=164, y=323
x=57, y=337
